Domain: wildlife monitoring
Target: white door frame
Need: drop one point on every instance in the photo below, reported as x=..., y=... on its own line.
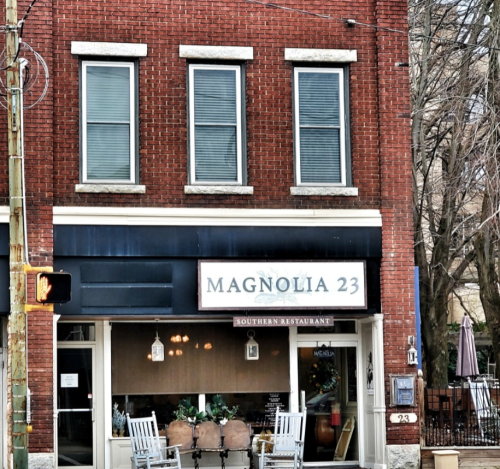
x=78, y=345
x=298, y=340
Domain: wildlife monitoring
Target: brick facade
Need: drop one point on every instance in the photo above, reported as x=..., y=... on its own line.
x=379, y=121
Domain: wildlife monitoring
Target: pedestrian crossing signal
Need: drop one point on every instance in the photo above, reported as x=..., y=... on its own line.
x=53, y=287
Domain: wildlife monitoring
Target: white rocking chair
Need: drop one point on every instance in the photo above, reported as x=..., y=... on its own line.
x=287, y=442
x=487, y=415
x=146, y=449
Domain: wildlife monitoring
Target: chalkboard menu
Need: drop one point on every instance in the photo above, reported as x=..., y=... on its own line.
x=273, y=403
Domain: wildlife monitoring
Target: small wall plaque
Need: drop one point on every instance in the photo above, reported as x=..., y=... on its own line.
x=403, y=418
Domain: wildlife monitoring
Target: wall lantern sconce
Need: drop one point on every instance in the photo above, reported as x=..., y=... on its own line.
x=251, y=347
x=412, y=352
x=157, y=350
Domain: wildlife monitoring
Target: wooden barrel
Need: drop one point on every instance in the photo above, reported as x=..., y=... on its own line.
x=236, y=434
x=208, y=434
x=180, y=433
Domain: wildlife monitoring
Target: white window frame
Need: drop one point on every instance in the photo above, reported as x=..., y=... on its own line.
x=340, y=72
x=239, y=119
x=132, y=123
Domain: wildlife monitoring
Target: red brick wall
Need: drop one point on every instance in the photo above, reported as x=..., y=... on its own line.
x=39, y=191
x=398, y=303
x=163, y=128
x=39, y=199
x=379, y=119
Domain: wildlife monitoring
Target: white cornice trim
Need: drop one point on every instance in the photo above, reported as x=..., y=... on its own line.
x=210, y=217
x=214, y=217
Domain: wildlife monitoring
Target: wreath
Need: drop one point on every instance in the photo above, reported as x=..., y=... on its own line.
x=324, y=376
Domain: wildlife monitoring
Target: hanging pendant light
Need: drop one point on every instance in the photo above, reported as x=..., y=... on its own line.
x=157, y=349
x=251, y=347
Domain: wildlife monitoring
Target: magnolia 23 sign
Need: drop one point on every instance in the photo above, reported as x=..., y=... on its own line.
x=277, y=285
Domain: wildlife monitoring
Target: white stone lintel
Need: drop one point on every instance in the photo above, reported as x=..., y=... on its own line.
x=109, y=49
x=111, y=188
x=327, y=191
x=321, y=55
x=216, y=52
x=224, y=190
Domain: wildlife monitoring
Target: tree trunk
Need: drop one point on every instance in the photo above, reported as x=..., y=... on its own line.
x=434, y=327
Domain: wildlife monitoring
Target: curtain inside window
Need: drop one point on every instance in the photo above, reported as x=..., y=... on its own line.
x=108, y=123
x=215, y=125
x=319, y=121
x=211, y=361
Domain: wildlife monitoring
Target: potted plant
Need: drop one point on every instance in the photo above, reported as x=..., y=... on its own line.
x=181, y=430
x=189, y=413
x=119, y=420
x=219, y=412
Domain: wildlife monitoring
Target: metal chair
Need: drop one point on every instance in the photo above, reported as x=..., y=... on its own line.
x=146, y=449
x=287, y=442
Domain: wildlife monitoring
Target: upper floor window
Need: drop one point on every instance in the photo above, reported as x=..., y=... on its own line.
x=320, y=128
x=109, y=130
x=215, y=124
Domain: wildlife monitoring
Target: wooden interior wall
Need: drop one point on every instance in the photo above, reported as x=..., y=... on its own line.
x=219, y=369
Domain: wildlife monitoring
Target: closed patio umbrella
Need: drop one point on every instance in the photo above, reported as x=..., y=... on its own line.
x=466, y=359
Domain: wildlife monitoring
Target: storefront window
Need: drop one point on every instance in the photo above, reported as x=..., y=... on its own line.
x=258, y=409
x=201, y=360
x=75, y=332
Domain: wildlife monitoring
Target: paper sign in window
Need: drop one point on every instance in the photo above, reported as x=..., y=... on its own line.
x=69, y=380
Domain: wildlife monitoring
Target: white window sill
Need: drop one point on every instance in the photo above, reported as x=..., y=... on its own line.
x=110, y=188
x=328, y=191
x=224, y=190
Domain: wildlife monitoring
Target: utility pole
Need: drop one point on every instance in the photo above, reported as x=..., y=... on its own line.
x=17, y=323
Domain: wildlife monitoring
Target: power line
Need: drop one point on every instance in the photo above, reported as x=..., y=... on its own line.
x=352, y=22
x=25, y=17
x=20, y=25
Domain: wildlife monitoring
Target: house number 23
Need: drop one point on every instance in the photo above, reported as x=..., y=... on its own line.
x=403, y=418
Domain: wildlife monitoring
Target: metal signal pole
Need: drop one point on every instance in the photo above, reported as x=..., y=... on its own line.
x=17, y=323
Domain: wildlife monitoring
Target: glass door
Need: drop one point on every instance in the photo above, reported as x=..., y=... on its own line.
x=75, y=391
x=328, y=376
